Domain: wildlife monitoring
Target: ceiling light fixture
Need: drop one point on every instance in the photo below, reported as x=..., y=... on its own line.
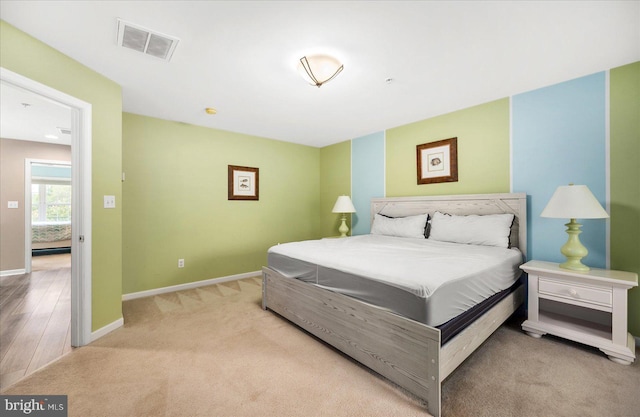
x=319, y=69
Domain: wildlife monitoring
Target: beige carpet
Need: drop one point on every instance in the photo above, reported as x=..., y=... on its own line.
x=213, y=351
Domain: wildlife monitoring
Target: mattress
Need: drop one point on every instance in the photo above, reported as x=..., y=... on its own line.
x=50, y=231
x=427, y=281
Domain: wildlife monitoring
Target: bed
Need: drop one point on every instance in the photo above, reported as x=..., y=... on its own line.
x=50, y=234
x=404, y=347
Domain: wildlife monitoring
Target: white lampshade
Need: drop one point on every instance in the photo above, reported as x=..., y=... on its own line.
x=343, y=205
x=318, y=69
x=574, y=202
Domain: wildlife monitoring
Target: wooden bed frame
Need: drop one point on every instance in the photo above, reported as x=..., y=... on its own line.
x=404, y=351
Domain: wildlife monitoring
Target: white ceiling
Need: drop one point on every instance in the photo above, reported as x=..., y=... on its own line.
x=27, y=116
x=240, y=56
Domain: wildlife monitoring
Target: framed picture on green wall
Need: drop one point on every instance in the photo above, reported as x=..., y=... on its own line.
x=438, y=161
x=244, y=183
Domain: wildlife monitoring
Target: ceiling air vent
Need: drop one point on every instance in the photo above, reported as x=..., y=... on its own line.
x=146, y=41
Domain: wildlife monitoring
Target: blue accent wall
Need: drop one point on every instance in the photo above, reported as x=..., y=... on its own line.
x=367, y=178
x=559, y=137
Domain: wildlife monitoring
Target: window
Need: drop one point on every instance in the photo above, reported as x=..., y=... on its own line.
x=50, y=202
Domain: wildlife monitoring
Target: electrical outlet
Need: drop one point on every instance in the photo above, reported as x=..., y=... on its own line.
x=180, y=263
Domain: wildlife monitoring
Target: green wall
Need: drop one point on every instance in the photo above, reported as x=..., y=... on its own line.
x=483, y=151
x=335, y=171
x=625, y=178
x=33, y=59
x=176, y=206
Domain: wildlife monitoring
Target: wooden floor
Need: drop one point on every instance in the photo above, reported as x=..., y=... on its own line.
x=35, y=317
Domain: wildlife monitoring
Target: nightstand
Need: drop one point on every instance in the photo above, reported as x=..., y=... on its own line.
x=586, y=307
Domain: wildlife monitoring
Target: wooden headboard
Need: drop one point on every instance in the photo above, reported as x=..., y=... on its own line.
x=515, y=203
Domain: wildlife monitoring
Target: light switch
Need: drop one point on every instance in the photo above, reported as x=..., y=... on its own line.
x=12, y=204
x=109, y=201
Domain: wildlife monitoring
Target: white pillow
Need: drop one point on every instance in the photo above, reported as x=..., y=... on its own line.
x=487, y=230
x=410, y=226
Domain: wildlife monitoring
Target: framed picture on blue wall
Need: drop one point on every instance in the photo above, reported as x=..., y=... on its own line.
x=438, y=161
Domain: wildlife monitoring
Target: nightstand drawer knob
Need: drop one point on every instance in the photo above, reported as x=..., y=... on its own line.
x=573, y=292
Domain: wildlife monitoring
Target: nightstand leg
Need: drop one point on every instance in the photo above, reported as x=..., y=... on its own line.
x=619, y=317
x=624, y=354
x=531, y=328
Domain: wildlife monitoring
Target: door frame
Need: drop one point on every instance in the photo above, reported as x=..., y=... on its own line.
x=81, y=140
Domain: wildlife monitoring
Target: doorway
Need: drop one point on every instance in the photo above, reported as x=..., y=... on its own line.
x=80, y=127
x=48, y=193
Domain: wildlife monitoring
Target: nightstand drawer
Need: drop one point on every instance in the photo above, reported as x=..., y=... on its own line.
x=577, y=292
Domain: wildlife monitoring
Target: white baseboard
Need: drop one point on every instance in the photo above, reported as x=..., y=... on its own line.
x=188, y=286
x=107, y=329
x=12, y=272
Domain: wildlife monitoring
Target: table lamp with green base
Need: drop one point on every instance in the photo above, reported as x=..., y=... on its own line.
x=343, y=206
x=574, y=202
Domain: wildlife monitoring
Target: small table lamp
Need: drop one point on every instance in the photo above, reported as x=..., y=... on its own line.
x=574, y=202
x=343, y=205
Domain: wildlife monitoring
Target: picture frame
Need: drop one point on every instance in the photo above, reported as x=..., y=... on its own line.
x=438, y=161
x=243, y=183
